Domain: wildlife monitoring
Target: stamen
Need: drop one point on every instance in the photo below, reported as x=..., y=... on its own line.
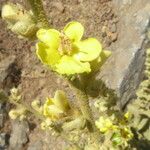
x=65, y=46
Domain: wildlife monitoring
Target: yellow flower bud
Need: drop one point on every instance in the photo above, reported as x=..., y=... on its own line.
x=56, y=107
x=13, y=114
x=19, y=20
x=60, y=100
x=105, y=124
x=18, y=113
x=22, y=117
x=127, y=115
x=37, y=106
x=9, y=12
x=15, y=95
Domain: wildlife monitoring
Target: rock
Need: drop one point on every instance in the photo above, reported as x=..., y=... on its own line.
x=38, y=145
x=3, y=113
x=3, y=141
x=6, y=82
x=124, y=69
x=19, y=135
x=113, y=28
x=122, y=3
x=6, y=69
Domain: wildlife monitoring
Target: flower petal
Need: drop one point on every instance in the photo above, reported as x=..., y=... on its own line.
x=69, y=66
x=105, y=53
x=52, y=111
x=74, y=31
x=49, y=37
x=47, y=55
x=89, y=49
x=60, y=100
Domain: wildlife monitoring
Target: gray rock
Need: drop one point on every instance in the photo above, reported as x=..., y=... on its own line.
x=38, y=145
x=2, y=116
x=113, y=28
x=3, y=113
x=19, y=135
x=3, y=141
x=122, y=3
x=124, y=69
x=6, y=68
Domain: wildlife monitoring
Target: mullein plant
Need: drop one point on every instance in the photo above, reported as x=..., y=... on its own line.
x=65, y=53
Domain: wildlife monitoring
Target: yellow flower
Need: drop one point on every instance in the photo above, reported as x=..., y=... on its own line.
x=64, y=51
x=127, y=115
x=105, y=124
x=56, y=107
x=36, y=106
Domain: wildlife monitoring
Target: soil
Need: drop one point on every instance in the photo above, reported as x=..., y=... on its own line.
x=37, y=81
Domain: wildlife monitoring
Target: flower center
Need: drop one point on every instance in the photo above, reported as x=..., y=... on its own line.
x=65, y=47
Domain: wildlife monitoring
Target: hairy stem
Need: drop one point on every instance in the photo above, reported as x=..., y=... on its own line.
x=39, y=13
x=83, y=102
x=85, y=108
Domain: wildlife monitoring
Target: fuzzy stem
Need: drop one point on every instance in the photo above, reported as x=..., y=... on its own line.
x=85, y=108
x=39, y=13
x=83, y=102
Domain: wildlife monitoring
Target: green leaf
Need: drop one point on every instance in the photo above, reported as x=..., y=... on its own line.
x=49, y=37
x=68, y=66
x=47, y=55
x=116, y=139
x=74, y=31
x=89, y=49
